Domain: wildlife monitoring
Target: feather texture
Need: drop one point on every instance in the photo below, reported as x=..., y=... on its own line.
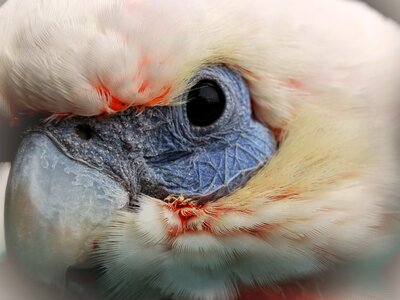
x=69, y=57
x=323, y=73
x=303, y=213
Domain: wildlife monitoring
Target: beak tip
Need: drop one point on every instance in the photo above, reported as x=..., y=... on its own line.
x=54, y=205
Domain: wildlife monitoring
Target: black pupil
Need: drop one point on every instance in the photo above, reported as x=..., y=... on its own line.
x=206, y=103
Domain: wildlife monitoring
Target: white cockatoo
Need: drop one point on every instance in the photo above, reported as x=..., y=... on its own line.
x=202, y=149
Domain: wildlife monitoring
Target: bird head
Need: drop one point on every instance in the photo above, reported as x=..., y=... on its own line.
x=196, y=148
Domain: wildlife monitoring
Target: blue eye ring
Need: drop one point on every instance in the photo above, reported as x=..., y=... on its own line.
x=229, y=83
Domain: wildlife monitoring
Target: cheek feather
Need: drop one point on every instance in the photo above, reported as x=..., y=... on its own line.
x=251, y=76
x=184, y=216
x=309, y=207
x=317, y=155
x=294, y=84
x=111, y=102
x=133, y=4
x=114, y=104
x=331, y=152
x=159, y=100
x=142, y=88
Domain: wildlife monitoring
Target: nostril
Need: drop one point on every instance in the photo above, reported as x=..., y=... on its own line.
x=85, y=132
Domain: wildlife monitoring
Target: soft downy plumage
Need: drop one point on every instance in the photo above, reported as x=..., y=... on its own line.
x=322, y=74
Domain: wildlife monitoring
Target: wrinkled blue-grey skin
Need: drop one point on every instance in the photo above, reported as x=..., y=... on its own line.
x=69, y=178
x=159, y=152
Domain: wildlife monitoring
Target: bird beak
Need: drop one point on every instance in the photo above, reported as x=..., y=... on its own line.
x=69, y=178
x=54, y=208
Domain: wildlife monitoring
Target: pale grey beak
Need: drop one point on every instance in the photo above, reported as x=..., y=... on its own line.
x=54, y=208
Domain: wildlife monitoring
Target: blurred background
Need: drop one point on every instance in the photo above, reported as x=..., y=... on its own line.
x=390, y=8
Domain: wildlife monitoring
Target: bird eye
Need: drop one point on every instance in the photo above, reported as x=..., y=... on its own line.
x=85, y=132
x=206, y=103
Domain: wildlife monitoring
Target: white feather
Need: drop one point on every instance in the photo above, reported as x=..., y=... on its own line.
x=55, y=54
x=335, y=57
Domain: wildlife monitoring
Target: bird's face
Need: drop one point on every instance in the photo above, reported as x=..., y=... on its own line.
x=266, y=159
x=73, y=176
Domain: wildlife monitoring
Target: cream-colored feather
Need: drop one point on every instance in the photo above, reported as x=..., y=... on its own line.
x=315, y=204
x=69, y=57
x=322, y=73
